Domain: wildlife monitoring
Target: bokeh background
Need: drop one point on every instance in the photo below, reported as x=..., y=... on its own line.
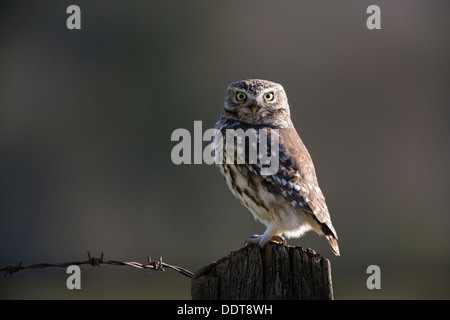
x=86, y=119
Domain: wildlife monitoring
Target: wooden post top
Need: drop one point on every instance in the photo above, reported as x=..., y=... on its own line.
x=274, y=272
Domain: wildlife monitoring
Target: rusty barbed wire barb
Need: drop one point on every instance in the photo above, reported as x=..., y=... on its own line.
x=11, y=269
x=94, y=261
x=158, y=265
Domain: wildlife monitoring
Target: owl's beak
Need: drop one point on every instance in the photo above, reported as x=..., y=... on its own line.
x=254, y=109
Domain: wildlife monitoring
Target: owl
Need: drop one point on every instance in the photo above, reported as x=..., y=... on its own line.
x=289, y=201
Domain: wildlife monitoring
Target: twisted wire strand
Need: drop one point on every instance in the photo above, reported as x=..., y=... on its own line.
x=158, y=265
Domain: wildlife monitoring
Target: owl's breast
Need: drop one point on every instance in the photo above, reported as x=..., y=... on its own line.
x=246, y=188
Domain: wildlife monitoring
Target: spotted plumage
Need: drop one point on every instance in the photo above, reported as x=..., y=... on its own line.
x=289, y=201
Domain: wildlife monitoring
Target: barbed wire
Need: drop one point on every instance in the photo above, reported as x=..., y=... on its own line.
x=153, y=265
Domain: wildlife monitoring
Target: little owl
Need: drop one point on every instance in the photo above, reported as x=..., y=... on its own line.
x=289, y=202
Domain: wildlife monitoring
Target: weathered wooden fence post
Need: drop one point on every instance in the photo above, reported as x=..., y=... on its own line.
x=275, y=272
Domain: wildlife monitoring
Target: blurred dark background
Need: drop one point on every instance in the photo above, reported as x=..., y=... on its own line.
x=86, y=119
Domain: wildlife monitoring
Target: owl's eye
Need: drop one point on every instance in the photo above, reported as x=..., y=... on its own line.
x=240, y=96
x=268, y=96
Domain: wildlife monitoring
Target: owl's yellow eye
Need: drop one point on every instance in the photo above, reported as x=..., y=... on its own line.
x=268, y=96
x=240, y=96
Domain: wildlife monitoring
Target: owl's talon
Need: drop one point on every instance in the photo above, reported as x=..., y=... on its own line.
x=278, y=240
x=254, y=239
x=260, y=241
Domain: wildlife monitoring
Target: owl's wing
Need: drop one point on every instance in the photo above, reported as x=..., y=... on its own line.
x=297, y=181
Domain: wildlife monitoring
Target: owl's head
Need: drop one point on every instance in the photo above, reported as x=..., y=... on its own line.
x=256, y=101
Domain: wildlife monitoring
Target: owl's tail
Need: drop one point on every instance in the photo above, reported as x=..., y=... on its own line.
x=333, y=244
x=331, y=235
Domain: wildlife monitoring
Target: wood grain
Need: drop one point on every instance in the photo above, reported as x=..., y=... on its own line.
x=275, y=272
